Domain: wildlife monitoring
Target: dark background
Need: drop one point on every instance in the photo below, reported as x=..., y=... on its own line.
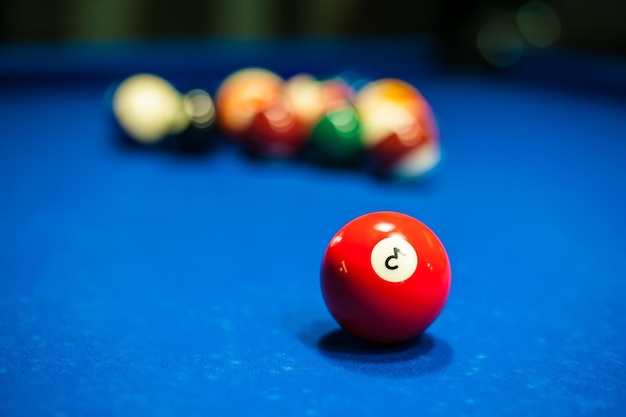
x=597, y=26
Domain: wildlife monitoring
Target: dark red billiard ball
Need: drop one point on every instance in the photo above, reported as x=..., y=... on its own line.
x=385, y=277
x=276, y=132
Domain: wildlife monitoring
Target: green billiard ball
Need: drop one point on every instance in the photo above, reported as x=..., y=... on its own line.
x=336, y=138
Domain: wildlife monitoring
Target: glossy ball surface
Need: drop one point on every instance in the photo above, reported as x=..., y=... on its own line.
x=385, y=277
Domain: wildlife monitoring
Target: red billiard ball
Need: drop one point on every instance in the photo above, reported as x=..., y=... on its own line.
x=385, y=277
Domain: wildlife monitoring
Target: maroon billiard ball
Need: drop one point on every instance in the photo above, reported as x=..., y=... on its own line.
x=385, y=277
x=276, y=132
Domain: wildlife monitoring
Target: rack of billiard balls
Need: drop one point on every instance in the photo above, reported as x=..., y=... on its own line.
x=385, y=125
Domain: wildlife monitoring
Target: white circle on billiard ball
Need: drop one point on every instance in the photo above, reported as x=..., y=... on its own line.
x=394, y=259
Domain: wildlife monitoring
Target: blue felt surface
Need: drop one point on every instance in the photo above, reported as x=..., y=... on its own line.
x=148, y=283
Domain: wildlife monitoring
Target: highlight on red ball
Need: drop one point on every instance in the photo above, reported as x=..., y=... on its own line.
x=385, y=277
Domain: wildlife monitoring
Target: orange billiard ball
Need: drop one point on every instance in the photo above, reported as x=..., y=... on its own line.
x=385, y=277
x=244, y=94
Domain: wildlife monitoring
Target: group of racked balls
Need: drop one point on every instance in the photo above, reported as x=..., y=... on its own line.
x=386, y=125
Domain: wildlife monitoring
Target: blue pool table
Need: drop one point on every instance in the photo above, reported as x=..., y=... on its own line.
x=138, y=282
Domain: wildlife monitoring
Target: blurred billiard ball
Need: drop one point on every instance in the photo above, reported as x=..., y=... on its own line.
x=276, y=132
x=398, y=128
x=200, y=114
x=310, y=98
x=305, y=95
x=242, y=95
x=147, y=109
x=150, y=111
x=385, y=277
x=336, y=138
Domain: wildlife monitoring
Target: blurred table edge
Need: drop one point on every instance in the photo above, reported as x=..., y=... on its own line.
x=380, y=57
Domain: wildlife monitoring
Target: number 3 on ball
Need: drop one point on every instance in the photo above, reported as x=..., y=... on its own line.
x=394, y=259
